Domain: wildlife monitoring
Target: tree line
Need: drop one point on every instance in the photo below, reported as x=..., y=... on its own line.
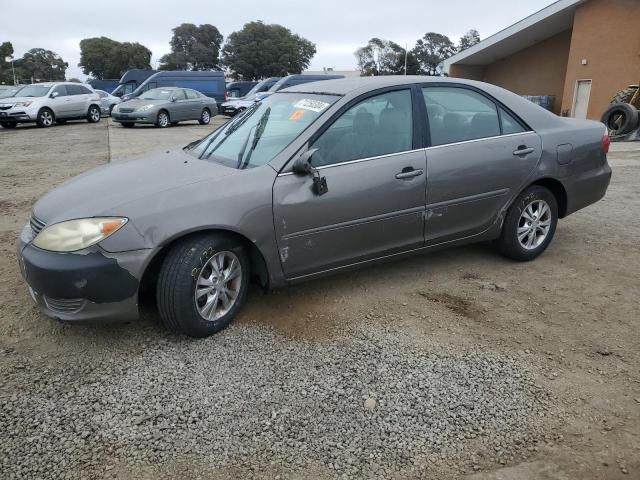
x=256, y=51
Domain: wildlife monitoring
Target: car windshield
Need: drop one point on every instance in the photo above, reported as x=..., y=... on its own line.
x=157, y=94
x=10, y=92
x=263, y=130
x=32, y=91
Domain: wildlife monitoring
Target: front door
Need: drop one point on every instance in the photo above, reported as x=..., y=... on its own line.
x=179, y=108
x=376, y=190
x=581, y=100
x=62, y=104
x=480, y=155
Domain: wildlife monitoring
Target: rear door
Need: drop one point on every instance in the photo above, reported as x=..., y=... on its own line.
x=376, y=178
x=195, y=103
x=480, y=154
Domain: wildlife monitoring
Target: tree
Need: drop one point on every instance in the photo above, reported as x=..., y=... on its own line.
x=41, y=64
x=261, y=50
x=6, y=74
x=193, y=48
x=384, y=57
x=431, y=50
x=102, y=57
x=469, y=39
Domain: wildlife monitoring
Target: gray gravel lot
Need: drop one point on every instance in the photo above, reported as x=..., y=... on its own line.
x=447, y=366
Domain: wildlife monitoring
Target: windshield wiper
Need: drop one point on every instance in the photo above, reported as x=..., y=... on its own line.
x=261, y=125
x=230, y=129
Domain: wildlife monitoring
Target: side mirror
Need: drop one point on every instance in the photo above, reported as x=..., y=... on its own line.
x=302, y=164
x=54, y=94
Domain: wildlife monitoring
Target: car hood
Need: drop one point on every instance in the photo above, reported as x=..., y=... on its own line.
x=102, y=190
x=19, y=99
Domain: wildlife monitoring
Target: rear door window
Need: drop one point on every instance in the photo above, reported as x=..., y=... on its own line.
x=459, y=115
x=75, y=90
x=509, y=124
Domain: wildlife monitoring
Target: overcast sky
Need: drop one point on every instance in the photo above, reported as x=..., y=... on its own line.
x=337, y=27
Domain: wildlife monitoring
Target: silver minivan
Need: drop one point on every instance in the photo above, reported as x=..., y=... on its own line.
x=49, y=103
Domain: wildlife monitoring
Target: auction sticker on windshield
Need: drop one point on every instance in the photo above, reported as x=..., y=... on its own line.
x=310, y=104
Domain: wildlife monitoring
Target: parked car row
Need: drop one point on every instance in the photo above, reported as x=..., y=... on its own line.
x=267, y=87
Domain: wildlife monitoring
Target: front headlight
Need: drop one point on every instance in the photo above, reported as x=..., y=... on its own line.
x=22, y=104
x=77, y=234
x=146, y=107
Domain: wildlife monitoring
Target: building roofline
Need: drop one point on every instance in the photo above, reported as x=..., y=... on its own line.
x=538, y=18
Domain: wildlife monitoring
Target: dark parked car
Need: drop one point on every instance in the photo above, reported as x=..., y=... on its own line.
x=208, y=83
x=293, y=80
x=237, y=105
x=130, y=80
x=316, y=179
x=238, y=89
x=165, y=106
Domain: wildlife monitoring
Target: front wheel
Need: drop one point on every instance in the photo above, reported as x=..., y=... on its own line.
x=202, y=284
x=529, y=225
x=205, y=117
x=94, y=114
x=45, y=118
x=162, y=120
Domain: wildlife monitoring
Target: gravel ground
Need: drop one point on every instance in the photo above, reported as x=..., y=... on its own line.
x=366, y=404
x=454, y=365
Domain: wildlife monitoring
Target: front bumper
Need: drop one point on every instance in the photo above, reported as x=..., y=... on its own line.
x=135, y=117
x=88, y=285
x=19, y=115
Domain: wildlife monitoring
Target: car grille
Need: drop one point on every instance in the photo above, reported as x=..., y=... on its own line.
x=36, y=225
x=126, y=110
x=64, y=305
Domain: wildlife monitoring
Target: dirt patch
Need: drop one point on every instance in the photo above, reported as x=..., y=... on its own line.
x=455, y=303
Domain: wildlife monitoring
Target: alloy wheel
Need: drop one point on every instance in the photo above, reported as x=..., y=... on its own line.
x=94, y=114
x=205, y=116
x=163, y=119
x=218, y=286
x=46, y=118
x=534, y=224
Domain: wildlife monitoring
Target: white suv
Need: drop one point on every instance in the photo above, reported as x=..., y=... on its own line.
x=46, y=103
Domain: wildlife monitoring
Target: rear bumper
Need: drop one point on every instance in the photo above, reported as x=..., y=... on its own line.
x=91, y=285
x=587, y=188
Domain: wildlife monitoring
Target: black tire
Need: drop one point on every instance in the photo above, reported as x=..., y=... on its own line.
x=625, y=95
x=508, y=243
x=8, y=124
x=620, y=118
x=178, y=278
x=163, y=120
x=94, y=114
x=127, y=124
x=46, y=117
x=205, y=117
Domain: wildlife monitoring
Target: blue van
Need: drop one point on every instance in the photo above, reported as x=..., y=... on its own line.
x=131, y=80
x=209, y=83
x=292, y=80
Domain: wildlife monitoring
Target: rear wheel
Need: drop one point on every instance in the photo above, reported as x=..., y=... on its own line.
x=162, y=120
x=205, y=117
x=94, y=114
x=202, y=284
x=45, y=118
x=8, y=124
x=529, y=225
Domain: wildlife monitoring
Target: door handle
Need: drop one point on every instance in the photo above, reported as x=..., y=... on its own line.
x=523, y=150
x=409, y=172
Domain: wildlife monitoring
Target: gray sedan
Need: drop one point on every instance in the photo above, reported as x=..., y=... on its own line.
x=165, y=106
x=316, y=179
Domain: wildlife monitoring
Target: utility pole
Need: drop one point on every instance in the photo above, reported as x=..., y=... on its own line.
x=406, y=54
x=10, y=59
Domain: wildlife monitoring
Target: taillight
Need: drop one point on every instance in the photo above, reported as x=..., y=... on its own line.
x=226, y=96
x=606, y=142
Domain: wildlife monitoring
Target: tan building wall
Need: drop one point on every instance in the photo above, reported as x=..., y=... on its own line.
x=537, y=70
x=607, y=34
